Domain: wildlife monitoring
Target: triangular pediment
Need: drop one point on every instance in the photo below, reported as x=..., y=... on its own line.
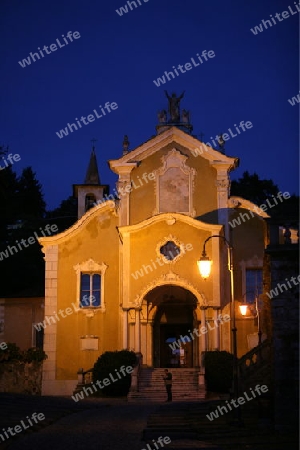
x=172, y=136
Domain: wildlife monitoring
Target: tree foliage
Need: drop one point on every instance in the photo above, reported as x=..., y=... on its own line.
x=252, y=188
x=30, y=196
x=22, y=210
x=8, y=200
x=65, y=215
x=258, y=191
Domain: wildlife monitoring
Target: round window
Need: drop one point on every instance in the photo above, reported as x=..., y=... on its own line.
x=170, y=250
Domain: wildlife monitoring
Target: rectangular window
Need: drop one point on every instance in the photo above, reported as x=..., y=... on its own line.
x=90, y=290
x=38, y=337
x=254, y=284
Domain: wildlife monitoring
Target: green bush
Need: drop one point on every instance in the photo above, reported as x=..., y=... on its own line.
x=110, y=362
x=218, y=371
x=13, y=353
x=34, y=354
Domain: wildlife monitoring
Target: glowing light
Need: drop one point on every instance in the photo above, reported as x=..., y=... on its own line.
x=204, y=266
x=243, y=309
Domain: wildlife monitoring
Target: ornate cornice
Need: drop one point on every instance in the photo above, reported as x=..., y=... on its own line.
x=90, y=266
x=170, y=219
x=108, y=206
x=169, y=278
x=172, y=135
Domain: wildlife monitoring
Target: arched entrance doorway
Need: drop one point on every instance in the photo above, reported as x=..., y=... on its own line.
x=174, y=344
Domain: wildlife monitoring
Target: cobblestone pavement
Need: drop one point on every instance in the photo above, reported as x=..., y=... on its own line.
x=94, y=423
x=113, y=424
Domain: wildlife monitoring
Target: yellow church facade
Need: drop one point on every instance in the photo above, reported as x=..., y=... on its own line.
x=125, y=275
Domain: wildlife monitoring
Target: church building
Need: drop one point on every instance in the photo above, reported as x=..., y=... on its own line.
x=125, y=275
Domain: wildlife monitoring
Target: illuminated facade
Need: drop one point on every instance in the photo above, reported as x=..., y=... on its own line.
x=125, y=274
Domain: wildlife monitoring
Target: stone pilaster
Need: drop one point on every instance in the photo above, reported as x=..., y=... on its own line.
x=125, y=328
x=49, y=366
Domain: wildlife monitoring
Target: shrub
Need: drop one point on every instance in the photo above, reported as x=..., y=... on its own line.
x=218, y=370
x=110, y=363
x=13, y=353
x=34, y=354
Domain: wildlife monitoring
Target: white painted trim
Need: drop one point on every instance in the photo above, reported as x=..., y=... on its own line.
x=90, y=267
x=166, y=279
x=76, y=228
x=171, y=135
x=239, y=202
x=170, y=219
x=49, y=365
x=174, y=159
x=179, y=244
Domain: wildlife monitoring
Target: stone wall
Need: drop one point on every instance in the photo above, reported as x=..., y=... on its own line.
x=21, y=378
x=282, y=263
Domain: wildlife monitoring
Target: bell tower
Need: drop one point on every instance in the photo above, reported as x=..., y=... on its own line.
x=92, y=191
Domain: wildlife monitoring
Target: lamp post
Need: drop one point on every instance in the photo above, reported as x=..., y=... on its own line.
x=244, y=308
x=204, y=266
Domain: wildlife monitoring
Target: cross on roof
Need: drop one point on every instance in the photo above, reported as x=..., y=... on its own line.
x=93, y=142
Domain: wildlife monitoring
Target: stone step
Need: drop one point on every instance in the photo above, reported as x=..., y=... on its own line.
x=173, y=371
x=181, y=387
x=174, y=380
x=150, y=433
x=164, y=396
x=176, y=377
x=162, y=399
x=160, y=377
x=151, y=386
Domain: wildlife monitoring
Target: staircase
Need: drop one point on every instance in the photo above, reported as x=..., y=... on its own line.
x=151, y=387
x=255, y=366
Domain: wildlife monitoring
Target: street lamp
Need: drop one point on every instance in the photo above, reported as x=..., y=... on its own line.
x=254, y=311
x=204, y=266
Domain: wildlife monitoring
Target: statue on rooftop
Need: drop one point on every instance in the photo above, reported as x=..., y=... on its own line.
x=126, y=144
x=221, y=143
x=185, y=116
x=174, y=102
x=162, y=116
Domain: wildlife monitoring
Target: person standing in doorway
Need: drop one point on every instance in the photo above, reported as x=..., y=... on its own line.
x=168, y=383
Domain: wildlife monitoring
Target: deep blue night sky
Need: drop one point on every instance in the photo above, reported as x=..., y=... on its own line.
x=117, y=58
